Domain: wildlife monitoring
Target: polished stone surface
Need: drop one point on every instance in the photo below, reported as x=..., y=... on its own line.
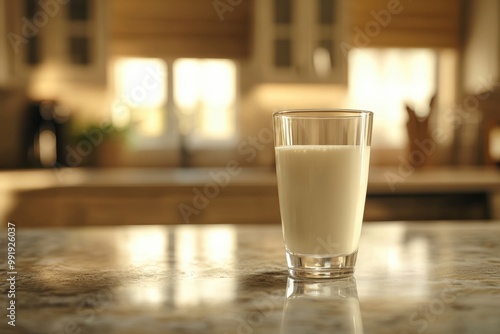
x=411, y=278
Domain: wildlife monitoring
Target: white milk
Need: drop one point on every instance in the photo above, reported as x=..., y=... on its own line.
x=322, y=192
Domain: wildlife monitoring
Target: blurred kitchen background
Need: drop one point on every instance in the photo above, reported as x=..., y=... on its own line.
x=158, y=111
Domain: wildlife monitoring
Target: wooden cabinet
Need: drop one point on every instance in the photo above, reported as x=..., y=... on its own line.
x=136, y=205
x=299, y=41
x=415, y=24
x=59, y=41
x=238, y=204
x=180, y=28
x=176, y=196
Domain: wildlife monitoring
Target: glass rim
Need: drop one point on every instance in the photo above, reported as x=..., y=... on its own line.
x=323, y=113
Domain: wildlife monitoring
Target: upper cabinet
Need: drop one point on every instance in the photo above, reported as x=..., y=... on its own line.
x=180, y=28
x=299, y=41
x=56, y=40
x=397, y=23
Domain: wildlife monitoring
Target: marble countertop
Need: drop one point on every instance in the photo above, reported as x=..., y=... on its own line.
x=438, y=277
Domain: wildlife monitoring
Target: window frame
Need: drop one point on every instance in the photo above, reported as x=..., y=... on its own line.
x=171, y=137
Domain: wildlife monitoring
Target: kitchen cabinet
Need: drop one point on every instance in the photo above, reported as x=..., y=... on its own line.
x=180, y=28
x=176, y=196
x=399, y=24
x=299, y=41
x=57, y=41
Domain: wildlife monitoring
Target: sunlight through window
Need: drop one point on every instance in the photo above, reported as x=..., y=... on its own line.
x=203, y=106
x=205, y=97
x=141, y=93
x=383, y=80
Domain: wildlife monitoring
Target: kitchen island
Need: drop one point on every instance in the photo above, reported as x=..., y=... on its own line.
x=81, y=196
x=437, y=277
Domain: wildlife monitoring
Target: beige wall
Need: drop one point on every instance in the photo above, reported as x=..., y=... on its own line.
x=479, y=71
x=481, y=57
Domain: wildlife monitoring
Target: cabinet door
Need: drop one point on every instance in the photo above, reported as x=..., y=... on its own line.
x=57, y=41
x=180, y=28
x=278, y=38
x=298, y=41
x=326, y=62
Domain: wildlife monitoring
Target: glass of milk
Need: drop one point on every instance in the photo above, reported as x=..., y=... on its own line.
x=322, y=159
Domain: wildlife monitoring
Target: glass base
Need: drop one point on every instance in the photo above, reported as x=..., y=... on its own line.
x=320, y=266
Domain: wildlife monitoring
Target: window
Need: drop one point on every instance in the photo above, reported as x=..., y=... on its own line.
x=62, y=41
x=384, y=80
x=205, y=98
x=78, y=10
x=141, y=99
x=79, y=50
x=283, y=19
x=283, y=11
x=283, y=53
x=33, y=45
x=324, y=50
x=196, y=103
x=326, y=9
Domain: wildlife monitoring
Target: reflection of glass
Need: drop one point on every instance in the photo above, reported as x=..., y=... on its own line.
x=322, y=307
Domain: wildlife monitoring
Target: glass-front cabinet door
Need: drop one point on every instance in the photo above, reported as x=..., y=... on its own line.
x=328, y=21
x=299, y=40
x=63, y=41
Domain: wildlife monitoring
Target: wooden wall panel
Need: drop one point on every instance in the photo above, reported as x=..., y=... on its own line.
x=179, y=28
x=412, y=23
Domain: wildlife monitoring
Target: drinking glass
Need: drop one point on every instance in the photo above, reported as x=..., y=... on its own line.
x=322, y=159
